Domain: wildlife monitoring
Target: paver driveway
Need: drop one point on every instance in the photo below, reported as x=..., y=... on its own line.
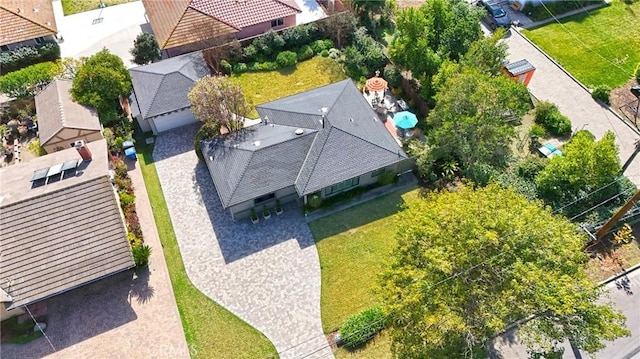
x=268, y=274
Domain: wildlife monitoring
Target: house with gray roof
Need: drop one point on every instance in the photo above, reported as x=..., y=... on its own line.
x=61, y=226
x=159, y=99
x=324, y=141
x=62, y=121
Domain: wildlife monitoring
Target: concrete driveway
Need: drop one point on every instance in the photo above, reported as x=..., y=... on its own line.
x=268, y=274
x=114, y=27
x=551, y=83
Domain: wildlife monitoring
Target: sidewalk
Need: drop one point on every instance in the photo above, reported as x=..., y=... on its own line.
x=552, y=83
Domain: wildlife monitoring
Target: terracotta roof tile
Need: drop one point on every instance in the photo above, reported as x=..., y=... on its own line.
x=22, y=20
x=245, y=13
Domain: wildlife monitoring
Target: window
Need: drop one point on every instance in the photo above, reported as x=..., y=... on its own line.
x=277, y=22
x=39, y=40
x=4, y=48
x=339, y=187
x=377, y=173
x=264, y=198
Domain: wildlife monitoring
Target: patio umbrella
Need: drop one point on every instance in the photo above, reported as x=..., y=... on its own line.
x=376, y=84
x=405, y=120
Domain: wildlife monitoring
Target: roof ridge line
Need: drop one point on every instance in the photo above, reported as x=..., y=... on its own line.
x=363, y=139
x=211, y=16
x=308, y=152
x=289, y=5
x=244, y=170
x=153, y=99
x=174, y=28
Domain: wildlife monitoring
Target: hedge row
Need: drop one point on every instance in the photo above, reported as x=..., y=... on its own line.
x=282, y=59
x=358, y=329
x=28, y=55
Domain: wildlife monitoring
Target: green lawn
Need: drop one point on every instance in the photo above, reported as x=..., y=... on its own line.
x=611, y=32
x=211, y=330
x=353, y=245
x=70, y=7
x=261, y=87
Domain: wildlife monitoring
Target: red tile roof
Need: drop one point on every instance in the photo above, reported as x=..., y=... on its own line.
x=244, y=13
x=22, y=20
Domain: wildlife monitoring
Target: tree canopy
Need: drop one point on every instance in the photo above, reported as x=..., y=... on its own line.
x=145, y=49
x=215, y=98
x=473, y=121
x=438, y=30
x=470, y=262
x=100, y=80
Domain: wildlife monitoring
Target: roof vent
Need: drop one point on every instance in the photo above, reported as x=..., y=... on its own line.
x=299, y=131
x=256, y=143
x=36, y=10
x=351, y=119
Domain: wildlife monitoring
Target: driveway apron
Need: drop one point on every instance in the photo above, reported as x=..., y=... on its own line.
x=551, y=83
x=268, y=273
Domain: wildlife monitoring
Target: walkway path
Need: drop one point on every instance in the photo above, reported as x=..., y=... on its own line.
x=551, y=83
x=268, y=274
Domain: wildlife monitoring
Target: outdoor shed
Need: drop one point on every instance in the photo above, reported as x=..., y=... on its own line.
x=61, y=226
x=522, y=71
x=61, y=121
x=159, y=100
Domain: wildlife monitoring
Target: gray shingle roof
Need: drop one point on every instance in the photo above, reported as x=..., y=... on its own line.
x=347, y=142
x=57, y=110
x=62, y=235
x=260, y=160
x=519, y=67
x=162, y=87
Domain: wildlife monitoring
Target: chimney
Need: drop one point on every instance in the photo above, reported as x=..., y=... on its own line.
x=83, y=150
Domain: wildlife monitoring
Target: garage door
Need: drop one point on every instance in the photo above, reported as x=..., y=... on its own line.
x=174, y=120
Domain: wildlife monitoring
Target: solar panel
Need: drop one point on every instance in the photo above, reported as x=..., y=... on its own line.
x=54, y=170
x=69, y=165
x=39, y=174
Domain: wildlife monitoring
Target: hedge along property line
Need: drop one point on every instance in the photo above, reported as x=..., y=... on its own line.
x=28, y=55
x=140, y=251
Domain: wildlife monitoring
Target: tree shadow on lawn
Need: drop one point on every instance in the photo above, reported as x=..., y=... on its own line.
x=241, y=238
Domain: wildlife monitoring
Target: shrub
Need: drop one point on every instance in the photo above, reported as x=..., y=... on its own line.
x=315, y=201
x=318, y=46
x=530, y=166
x=269, y=43
x=28, y=55
x=267, y=66
x=324, y=53
x=134, y=241
x=392, y=75
x=119, y=167
x=305, y=53
x=209, y=129
x=387, y=177
x=141, y=255
x=286, y=59
x=126, y=199
x=226, y=67
x=548, y=116
x=249, y=52
x=536, y=132
x=123, y=183
x=145, y=49
x=36, y=149
x=601, y=93
x=27, y=81
x=361, y=327
x=299, y=35
x=240, y=67
x=328, y=44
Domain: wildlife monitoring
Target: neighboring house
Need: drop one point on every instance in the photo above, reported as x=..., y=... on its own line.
x=61, y=226
x=26, y=22
x=186, y=25
x=324, y=141
x=61, y=121
x=159, y=100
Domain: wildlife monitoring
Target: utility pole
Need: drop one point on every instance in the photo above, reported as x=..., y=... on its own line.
x=624, y=209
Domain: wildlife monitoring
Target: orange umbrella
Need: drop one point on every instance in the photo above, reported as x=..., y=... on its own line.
x=376, y=84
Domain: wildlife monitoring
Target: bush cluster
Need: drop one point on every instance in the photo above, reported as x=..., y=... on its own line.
x=602, y=93
x=27, y=81
x=358, y=329
x=28, y=55
x=548, y=116
x=286, y=59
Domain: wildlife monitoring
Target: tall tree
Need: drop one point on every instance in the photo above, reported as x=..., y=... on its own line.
x=487, y=53
x=467, y=265
x=100, y=80
x=219, y=100
x=145, y=49
x=473, y=121
x=438, y=30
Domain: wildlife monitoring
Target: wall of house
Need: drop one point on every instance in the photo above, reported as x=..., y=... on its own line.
x=31, y=42
x=368, y=178
x=243, y=210
x=66, y=136
x=6, y=314
x=261, y=28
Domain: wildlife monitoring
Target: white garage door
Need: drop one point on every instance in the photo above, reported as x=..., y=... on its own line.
x=174, y=120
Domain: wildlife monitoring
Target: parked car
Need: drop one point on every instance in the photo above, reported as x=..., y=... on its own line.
x=496, y=16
